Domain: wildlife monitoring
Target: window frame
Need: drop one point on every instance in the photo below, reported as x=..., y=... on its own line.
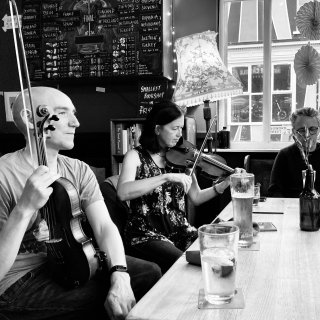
x=266, y=144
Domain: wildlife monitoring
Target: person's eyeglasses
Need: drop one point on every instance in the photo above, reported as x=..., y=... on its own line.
x=312, y=130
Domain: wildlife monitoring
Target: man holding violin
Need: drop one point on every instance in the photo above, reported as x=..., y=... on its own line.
x=27, y=288
x=157, y=229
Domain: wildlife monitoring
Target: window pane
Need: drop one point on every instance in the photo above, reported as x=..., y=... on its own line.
x=257, y=108
x=241, y=73
x=281, y=107
x=240, y=109
x=282, y=77
x=257, y=78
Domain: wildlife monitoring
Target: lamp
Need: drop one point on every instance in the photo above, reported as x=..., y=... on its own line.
x=202, y=76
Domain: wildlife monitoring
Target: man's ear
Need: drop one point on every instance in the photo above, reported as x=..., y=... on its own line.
x=157, y=130
x=26, y=117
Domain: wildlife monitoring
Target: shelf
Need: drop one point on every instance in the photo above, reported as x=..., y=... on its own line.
x=115, y=135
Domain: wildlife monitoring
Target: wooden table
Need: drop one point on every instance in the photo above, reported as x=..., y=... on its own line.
x=280, y=281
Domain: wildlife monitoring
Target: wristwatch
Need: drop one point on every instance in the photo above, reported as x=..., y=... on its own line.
x=118, y=268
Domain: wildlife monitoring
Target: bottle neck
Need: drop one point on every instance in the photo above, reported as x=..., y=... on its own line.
x=308, y=187
x=309, y=184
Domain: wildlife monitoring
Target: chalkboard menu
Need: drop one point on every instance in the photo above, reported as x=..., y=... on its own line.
x=149, y=93
x=96, y=38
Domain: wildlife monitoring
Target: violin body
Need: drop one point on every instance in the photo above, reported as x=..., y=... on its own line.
x=184, y=156
x=72, y=255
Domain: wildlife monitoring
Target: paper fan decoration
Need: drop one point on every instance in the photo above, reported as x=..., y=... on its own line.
x=308, y=20
x=307, y=65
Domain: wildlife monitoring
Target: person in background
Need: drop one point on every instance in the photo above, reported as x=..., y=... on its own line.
x=27, y=287
x=157, y=228
x=286, y=174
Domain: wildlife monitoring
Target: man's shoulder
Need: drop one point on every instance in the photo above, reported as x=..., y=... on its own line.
x=9, y=159
x=71, y=161
x=288, y=149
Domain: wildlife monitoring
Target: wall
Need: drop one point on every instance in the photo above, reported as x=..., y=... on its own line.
x=95, y=109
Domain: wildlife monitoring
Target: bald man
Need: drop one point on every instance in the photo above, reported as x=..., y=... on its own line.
x=27, y=288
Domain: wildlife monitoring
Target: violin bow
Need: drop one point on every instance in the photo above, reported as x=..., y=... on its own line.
x=14, y=9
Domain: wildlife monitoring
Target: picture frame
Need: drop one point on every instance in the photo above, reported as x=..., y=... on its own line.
x=9, y=97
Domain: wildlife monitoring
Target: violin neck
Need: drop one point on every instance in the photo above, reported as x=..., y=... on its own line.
x=42, y=152
x=217, y=163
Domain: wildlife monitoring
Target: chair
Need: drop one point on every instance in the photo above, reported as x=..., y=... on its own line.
x=118, y=210
x=261, y=168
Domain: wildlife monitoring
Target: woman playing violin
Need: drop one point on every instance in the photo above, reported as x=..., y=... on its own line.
x=157, y=229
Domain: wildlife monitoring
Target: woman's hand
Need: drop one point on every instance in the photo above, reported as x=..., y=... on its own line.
x=182, y=179
x=221, y=186
x=239, y=170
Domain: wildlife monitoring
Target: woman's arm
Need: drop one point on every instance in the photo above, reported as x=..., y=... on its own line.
x=198, y=196
x=129, y=188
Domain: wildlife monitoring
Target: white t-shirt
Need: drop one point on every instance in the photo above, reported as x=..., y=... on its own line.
x=14, y=172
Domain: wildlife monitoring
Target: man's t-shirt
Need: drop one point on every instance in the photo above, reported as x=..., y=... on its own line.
x=15, y=169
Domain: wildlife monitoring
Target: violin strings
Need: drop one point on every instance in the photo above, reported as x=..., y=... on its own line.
x=215, y=162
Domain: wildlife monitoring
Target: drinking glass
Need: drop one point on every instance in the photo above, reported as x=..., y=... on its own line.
x=256, y=194
x=242, y=191
x=219, y=255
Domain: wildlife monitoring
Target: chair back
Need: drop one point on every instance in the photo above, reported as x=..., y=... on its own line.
x=261, y=168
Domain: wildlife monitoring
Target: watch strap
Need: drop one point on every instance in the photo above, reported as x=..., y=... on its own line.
x=118, y=268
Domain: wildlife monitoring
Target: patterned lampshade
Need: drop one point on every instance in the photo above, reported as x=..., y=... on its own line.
x=201, y=73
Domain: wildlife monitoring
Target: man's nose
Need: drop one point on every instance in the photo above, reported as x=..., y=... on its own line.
x=74, y=121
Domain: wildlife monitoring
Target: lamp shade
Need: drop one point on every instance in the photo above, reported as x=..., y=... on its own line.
x=201, y=73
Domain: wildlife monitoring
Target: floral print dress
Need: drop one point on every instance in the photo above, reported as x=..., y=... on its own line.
x=160, y=214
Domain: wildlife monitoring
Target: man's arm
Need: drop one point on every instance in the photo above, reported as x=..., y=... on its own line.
x=120, y=298
x=34, y=196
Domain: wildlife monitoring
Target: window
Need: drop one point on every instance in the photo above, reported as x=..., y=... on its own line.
x=259, y=118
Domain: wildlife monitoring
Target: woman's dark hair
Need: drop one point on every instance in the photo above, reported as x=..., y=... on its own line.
x=162, y=113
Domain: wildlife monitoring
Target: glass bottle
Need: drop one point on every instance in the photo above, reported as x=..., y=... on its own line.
x=224, y=138
x=309, y=203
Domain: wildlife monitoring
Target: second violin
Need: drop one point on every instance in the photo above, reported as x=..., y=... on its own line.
x=184, y=156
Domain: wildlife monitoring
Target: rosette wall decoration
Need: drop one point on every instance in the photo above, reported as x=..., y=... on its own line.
x=201, y=72
x=308, y=20
x=307, y=65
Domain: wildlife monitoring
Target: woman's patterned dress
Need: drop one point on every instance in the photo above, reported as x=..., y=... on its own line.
x=160, y=214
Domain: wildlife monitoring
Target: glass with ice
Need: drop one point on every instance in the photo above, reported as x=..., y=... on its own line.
x=242, y=192
x=219, y=254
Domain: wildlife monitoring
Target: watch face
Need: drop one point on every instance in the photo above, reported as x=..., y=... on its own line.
x=120, y=268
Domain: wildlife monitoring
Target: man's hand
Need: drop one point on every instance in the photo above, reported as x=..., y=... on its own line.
x=120, y=298
x=36, y=191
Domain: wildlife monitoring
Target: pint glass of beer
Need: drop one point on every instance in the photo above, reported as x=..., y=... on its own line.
x=242, y=192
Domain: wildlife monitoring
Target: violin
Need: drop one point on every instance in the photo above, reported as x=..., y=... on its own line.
x=185, y=155
x=71, y=253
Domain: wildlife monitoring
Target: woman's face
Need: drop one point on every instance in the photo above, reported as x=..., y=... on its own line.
x=169, y=134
